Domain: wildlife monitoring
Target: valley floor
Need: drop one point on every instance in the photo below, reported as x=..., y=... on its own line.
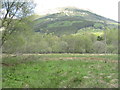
x=60, y=71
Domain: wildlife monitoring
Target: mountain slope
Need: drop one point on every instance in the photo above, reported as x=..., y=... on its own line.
x=70, y=20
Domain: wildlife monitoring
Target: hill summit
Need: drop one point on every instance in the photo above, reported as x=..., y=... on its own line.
x=69, y=20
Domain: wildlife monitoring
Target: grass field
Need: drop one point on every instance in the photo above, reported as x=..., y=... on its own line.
x=60, y=71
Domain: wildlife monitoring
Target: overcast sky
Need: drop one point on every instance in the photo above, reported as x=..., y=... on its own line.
x=107, y=8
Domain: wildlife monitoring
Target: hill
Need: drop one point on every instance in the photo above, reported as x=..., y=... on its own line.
x=70, y=21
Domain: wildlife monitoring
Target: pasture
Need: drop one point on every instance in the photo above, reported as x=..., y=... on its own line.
x=60, y=71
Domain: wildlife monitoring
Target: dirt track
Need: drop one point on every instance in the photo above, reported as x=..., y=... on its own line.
x=82, y=58
x=29, y=58
x=59, y=54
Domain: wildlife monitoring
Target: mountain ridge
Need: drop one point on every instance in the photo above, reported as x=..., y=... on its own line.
x=70, y=20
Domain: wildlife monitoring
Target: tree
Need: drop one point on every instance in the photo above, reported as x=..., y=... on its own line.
x=112, y=40
x=19, y=39
x=99, y=38
x=70, y=40
x=14, y=44
x=15, y=11
x=63, y=46
x=99, y=47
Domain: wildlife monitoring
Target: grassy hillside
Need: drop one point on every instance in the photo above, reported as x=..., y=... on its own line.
x=70, y=20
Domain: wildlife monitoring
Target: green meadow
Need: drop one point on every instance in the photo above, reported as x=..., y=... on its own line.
x=60, y=71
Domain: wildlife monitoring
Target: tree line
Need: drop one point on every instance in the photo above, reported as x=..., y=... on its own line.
x=18, y=35
x=28, y=41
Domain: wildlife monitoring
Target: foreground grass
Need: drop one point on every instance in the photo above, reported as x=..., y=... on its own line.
x=60, y=71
